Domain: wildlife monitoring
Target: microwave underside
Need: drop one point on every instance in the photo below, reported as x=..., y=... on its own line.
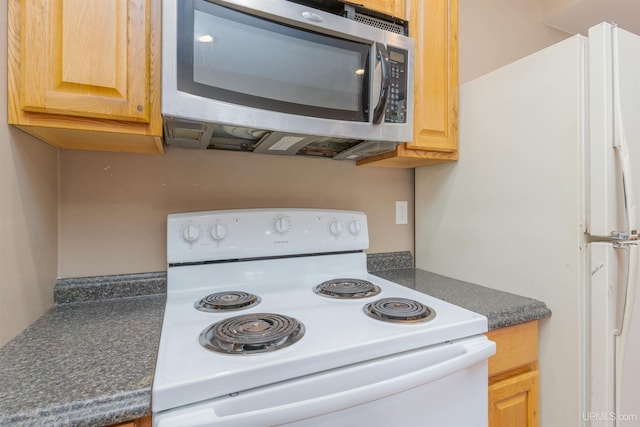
x=196, y=135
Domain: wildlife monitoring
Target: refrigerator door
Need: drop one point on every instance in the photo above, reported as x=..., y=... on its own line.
x=614, y=160
x=614, y=144
x=614, y=336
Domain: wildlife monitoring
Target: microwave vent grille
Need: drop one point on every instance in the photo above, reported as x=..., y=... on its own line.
x=359, y=13
x=380, y=23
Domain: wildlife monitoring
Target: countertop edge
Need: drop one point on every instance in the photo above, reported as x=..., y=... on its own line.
x=528, y=314
x=112, y=409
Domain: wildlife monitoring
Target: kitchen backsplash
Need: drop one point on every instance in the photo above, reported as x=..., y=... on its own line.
x=83, y=289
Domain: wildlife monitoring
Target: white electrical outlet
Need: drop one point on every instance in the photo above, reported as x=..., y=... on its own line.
x=402, y=214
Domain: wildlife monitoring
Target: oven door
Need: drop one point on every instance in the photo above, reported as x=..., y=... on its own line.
x=440, y=385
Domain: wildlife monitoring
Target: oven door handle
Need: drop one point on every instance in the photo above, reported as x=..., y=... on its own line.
x=320, y=394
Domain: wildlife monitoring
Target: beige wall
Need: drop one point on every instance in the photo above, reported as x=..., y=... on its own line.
x=494, y=33
x=120, y=201
x=113, y=206
x=28, y=218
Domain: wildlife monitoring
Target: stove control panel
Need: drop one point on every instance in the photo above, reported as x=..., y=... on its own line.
x=257, y=233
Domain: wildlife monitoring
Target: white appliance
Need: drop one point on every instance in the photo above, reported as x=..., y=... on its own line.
x=272, y=319
x=279, y=77
x=543, y=203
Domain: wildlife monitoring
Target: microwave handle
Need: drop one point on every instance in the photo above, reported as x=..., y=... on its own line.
x=383, y=57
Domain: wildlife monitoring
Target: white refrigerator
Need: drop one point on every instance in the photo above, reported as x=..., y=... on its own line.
x=542, y=204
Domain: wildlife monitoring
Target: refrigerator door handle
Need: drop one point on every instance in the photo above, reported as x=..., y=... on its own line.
x=623, y=332
x=631, y=229
x=631, y=276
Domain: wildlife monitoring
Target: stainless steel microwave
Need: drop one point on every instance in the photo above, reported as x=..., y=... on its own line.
x=281, y=77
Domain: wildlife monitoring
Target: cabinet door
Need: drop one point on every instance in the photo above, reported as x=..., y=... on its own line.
x=395, y=8
x=140, y=422
x=86, y=58
x=434, y=26
x=86, y=74
x=514, y=401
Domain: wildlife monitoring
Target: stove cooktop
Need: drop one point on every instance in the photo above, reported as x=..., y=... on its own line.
x=337, y=332
x=269, y=266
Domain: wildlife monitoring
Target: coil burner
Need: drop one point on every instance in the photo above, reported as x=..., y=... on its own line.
x=224, y=301
x=399, y=310
x=347, y=288
x=252, y=333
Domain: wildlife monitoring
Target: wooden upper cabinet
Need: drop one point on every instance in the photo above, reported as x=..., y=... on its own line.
x=397, y=8
x=436, y=76
x=83, y=74
x=78, y=60
x=434, y=26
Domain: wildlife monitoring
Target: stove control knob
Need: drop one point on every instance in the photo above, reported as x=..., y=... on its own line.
x=335, y=228
x=354, y=227
x=191, y=233
x=218, y=232
x=281, y=224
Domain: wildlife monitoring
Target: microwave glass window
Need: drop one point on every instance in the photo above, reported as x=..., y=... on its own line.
x=240, y=58
x=274, y=65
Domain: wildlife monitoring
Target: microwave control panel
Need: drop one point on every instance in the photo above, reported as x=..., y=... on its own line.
x=396, y=111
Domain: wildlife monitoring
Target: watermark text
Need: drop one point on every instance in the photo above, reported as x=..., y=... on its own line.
x=608, y=416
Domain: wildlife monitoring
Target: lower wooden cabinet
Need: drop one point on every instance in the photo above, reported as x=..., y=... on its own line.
x=513, y=377
x=140, y=422
x=514, y=401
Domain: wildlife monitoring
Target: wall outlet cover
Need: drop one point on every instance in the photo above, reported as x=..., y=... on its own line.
x=402, y=212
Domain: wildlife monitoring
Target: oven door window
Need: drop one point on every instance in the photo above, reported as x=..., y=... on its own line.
x=232, y=56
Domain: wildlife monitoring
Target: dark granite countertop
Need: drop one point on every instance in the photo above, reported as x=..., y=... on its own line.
x=82, y=364
x=502, y=309
x=89, y=360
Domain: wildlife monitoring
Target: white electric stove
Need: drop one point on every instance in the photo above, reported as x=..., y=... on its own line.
x=272, y=319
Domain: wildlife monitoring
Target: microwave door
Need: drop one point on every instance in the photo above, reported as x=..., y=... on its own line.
x=291, y=70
